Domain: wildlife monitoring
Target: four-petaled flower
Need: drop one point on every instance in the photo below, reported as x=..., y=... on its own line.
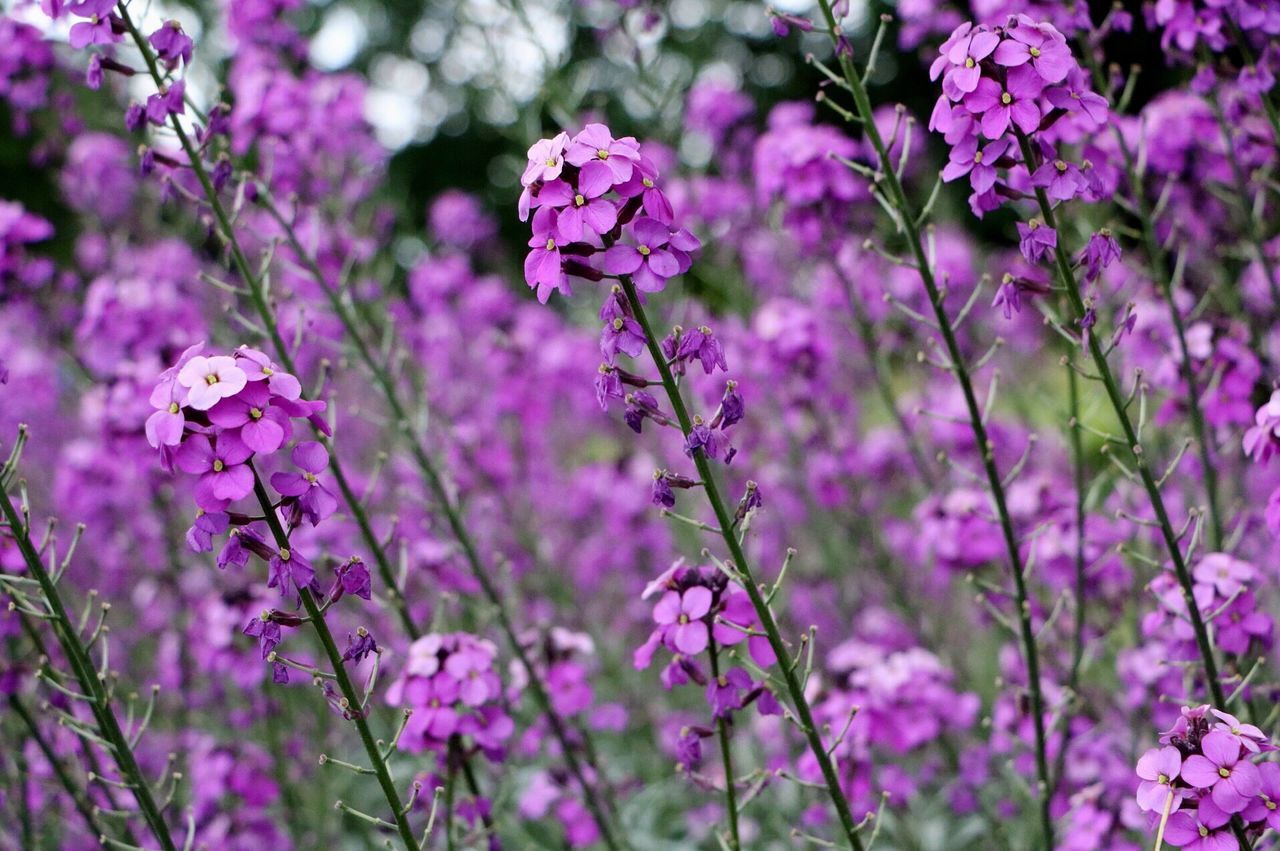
x=683, y=614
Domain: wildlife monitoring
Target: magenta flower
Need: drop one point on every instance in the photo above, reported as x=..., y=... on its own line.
x=1016, y=101
x=1158, y=768
x=1250, y=736
x=1266, y=807
x=260, y=426
x=1036, y=240
x=580, y=211
x=1232, y=781
x=1262, y=440
x=209, y=380
x=724, y=693
x=1204, y=831
x=1101, y=251
x=167, y=101
x=604, y=161
x=621, y=334
x=682, y=614
x=313, y=498
x=659, y=254
x=543, y=267
x=224, y=476
x=652, y=199
x=1060, y=179
x=1227, y=574
x=966, y=47
x=980, y=165
x=171, y=43
x=164, y=427
x=258, y=367
x=289, y=570
x=1041, y=45
x=97, y=29
x=546, y=160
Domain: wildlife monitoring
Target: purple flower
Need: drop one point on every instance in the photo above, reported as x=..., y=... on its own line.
x=702, y=437
x=543, y=267
x=546, y=160
x=1253, y=739
x=659, y=254
x=1266, y=807
x=1232, y=781
x=1205, y=831
x=314, y=499
x=604, y=161
x=224, y=477
x=682, y=614
x=1075, y=96
x=654, y=203
x=703, y=345
x=1036, y=240
x=353, y=578
x=258, y=367
x=171, y=43
x=1158, y=768
x=97, y=29
x=1060, y=179
x=581, y=211
x=1041, y=45
x=167, y=101
x=980, y=165
x=732, y=407
x=359, y=645
x=1016, y=101
x=1228, y=575
x=206, y=525
x=261, y=427
x=966, y=47
x=724, y=693
x=289, y=570
x=1101, y=251
x=662, y=495
x=621, y=334
x=209, y=380
x=266, y=631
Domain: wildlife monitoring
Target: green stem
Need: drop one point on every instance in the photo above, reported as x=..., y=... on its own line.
x=898, y=198
x=725, y=521
x=78, y=796
x=91, y=683
x=726, y=754
x=345, y=686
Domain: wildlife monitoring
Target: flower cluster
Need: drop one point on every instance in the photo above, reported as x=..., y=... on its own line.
x=451, y=685
x=1224, y=592
x=1205, y=774
x=595, y=194
x=698, y=610
x=999, y=83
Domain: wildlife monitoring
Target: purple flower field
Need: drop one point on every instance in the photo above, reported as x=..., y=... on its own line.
x=637, y=425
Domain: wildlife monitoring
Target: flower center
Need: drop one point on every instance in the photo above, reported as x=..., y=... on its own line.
x=1060, y=165
x=1035, y=52
x=578, y=200
x=285, y=555
x=977, y=157
x=722, y=681
x=218, y=466
x=648, y=184
x=268, y=371
x=1204, y=831
x=551, y=162
x=1224, y=772
x=256, y=413
x=551, y=244
x=310, y=477
x=211, y=379
x=602, y=153
x=1270, y=804
x=1162, y=779
x=684, y=619
x=644, y=250
x=617, y=324
x=1006, y=98
x=173, y=407
x=968, y=62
